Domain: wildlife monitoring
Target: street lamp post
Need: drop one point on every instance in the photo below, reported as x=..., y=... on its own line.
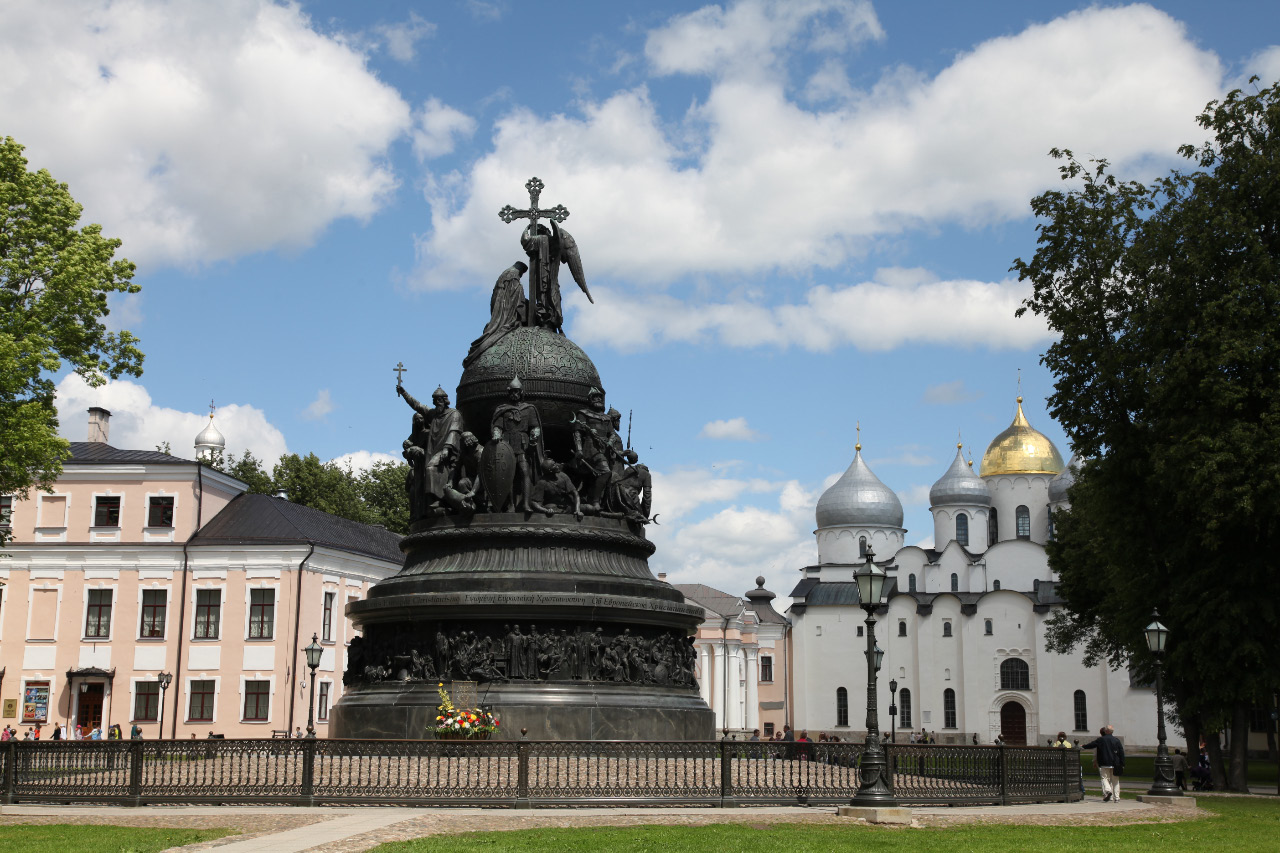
x=875, y=787
x=893, y=707
x=313, y=652
x=1164, y=784
x=165, y=680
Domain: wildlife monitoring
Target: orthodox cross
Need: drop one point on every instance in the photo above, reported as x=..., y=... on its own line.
x=211, y=409
x=400, y=370
x=509, y=214
x=858, y=427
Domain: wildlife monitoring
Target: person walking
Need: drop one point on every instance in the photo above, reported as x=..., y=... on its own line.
x=1110, y=761
x=1180, y=769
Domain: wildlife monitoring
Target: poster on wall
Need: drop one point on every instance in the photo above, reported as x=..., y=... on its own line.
x=35, y=702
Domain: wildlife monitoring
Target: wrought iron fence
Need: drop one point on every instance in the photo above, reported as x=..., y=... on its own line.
x=520, y=773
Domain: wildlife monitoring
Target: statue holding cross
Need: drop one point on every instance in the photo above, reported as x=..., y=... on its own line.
x=547, y=249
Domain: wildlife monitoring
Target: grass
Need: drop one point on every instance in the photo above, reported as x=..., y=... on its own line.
x=1239, y=824
x=1140, y=768
x=61, y=838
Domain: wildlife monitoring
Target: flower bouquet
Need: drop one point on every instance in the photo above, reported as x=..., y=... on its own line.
x=461, y=723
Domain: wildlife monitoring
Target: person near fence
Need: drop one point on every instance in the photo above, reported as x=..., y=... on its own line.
x=1110, y=761
x=1063, y=743
x=755, y=734
x=1180, y=769
x=7, y=734
x=135, y=733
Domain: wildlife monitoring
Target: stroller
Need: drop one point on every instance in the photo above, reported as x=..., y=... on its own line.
x=1201, y=778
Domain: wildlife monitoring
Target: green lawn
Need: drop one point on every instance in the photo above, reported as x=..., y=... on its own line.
x=62, y=838
x=1139, y=768
x=1241, y=824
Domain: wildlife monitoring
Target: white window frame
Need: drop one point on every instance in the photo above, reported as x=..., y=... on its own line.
x=186, y=694
x=275, y=611
x=222, y=611
x=84, y=613
x=133, y=698
x=6, y=518
x=168, y=605
x=160, y=534
x=271, y=699
x=51, y=715
x=57, y=611
x=93, y=513
x=323, y=683
x=333, y=616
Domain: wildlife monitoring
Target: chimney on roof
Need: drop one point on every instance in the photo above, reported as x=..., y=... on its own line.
x=282, y=494
x=99, y=424
x=662, y=576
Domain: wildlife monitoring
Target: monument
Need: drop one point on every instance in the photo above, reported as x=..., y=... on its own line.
x=526, y=567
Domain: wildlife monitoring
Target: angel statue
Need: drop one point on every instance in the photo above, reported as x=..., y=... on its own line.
x=547, y=248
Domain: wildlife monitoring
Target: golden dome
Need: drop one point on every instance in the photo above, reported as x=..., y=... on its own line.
x=1021, y=449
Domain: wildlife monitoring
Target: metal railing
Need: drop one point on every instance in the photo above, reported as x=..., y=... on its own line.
x=520, y=774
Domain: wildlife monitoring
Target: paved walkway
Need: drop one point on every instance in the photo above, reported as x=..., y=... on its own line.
x=346, y=830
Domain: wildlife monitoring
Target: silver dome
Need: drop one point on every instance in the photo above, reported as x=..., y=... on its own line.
x=210, y=437
x=859, y=498
x=960, y=486
x=1059, y=485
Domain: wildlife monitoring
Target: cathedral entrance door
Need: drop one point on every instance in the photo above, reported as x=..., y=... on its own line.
x=1013, y=723
x=89, y=709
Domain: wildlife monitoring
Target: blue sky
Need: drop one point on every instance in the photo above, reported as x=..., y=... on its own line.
x=793, y=216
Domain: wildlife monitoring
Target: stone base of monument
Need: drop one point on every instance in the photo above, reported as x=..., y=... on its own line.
x=877, y=814
x=1159, y=800
x=549, y=712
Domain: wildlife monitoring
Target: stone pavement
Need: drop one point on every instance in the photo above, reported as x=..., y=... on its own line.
x=269, y=829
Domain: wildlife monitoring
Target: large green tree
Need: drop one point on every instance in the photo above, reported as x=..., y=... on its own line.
x=1166, y=299
x=55, y=278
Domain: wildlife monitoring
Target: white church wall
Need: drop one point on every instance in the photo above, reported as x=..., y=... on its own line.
x=842, y=545
x=1008, y=492
x=1017, y=564
x=944, y=526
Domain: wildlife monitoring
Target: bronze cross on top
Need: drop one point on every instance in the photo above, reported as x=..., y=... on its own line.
x=400, y=370
x=509, y=214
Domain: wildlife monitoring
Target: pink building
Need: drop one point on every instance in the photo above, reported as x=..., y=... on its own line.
x=141, y=564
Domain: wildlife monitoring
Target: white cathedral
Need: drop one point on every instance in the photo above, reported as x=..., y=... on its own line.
x=963, y=632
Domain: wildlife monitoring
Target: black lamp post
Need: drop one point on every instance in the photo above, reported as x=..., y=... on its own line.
x=893, y=707
x=313, y=651
x=1164, y=784
x=874, y=788
x=165, y=680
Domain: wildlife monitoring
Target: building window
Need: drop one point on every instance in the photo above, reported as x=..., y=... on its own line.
x=106, y=511
x=986, y=625
x=995, y=585
x=1082, y=712
x=859, y=630
x=146, y=700
x=768, y=731
x=993, y=527
x=862, y=546
x=904, y=708
x=153, y=612
x=955, y=582
x=262, y=614
x=842, y=707
x=6, y=510
x=257, y=701
x=322, y=709
x=911, y=583
x=766, y=668
x=200, y=709
x=97, y=618
x=948, y=709
x=1015, y=675
x=160, y=512
x=902, y=627
x=946, y=629
x=326, y=618
x=1024, y=522
x=962, y=529
x=208, y=613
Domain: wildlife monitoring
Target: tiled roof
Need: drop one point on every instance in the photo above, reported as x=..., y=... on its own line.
x=96, y=452
x=711, y=599
x=263, y=519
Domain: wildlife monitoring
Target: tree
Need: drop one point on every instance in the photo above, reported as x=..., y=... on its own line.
x=1166, y=299
x=55, y=279
x=382, y=488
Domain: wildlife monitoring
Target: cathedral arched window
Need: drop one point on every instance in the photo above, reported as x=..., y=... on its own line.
x=1024, y=522
x=946, y=629
x=955, y=582
x=995, y=585
x=987, y=627
x=948, y=709
x=904, y=708
x=862, y=546
x=911, y=583
x=1015, y=675
x=902, y=627
x=842, y=707
x=1082, y=712
x=993, y=527
x=962, y=529
x=1035, y=586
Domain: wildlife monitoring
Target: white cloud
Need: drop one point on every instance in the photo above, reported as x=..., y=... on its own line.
x=437, y=127
x=734, y=429
x=363, y=460
x=908, y=456
x=197, y=132
x=138, y=424
x=678, y=493
x=917, y=495
x=319, y=408
x=1265, y=64
x=945, y=393
x=730, y=191
x=401, y=39
x=870, y=316
x=486, y=10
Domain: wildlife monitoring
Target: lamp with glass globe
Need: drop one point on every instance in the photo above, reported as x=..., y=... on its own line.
x=1164, y=784
x=875, y=787
x=313, y=652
